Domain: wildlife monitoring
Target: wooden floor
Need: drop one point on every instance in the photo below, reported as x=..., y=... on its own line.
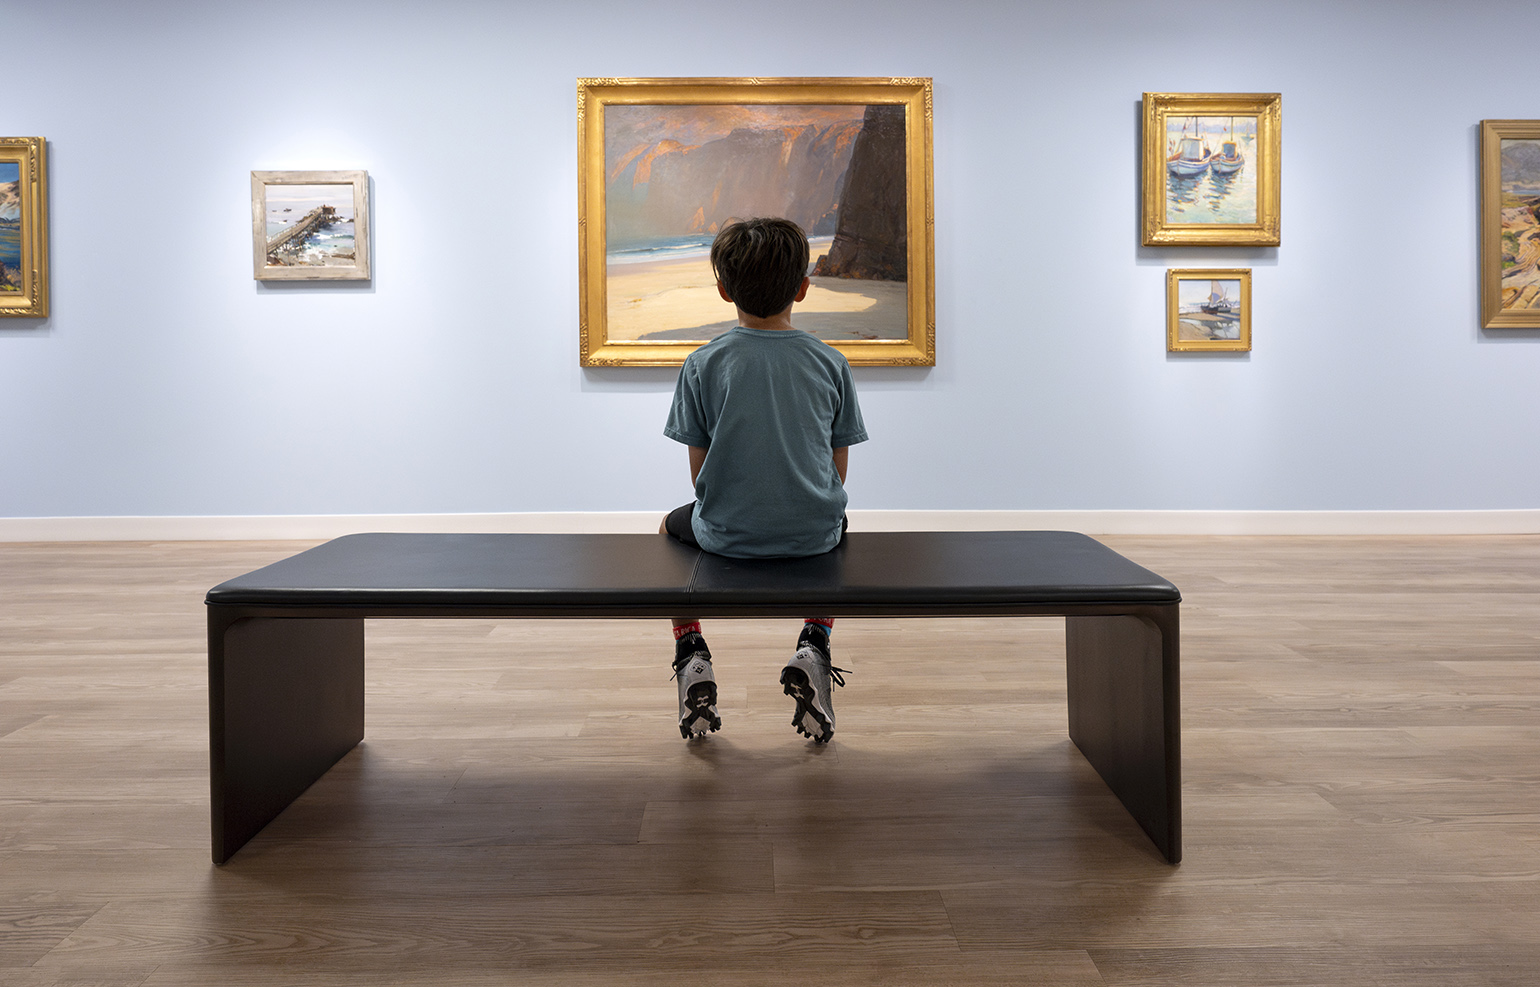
x=1362, y=793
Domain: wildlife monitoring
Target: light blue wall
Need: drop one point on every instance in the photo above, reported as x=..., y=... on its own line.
x=168, y=382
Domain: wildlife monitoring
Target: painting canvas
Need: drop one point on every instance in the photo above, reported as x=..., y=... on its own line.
x=1211, y=173
x=10, y=226
x=23, y=227
x=310, y=225
x=1511, y=224
x=1208, y=310
x=677, y=160
x=1211, y=168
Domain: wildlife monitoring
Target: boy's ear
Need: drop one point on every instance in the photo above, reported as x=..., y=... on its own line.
x=802, y=291
x=722, y=290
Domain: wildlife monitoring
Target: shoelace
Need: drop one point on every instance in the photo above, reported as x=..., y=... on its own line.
x=679, y=663
x=834, y=673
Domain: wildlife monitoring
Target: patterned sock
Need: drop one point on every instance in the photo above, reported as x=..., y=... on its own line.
x=827, y=623
x=688, y=642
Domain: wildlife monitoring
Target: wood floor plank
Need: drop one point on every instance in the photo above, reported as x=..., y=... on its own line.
x=1277, y=912
x=34, y=924
x=1068, y=968
x=385, y=933
x=1409, y=966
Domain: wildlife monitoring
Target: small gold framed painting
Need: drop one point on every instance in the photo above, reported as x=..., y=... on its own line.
x=1211, y=169
x=310, y=225
x=665, y=164
x=1208, y=310
x=1510, y=224
x=23, y=227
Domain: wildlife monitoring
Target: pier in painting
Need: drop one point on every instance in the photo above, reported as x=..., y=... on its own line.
x=309, y=225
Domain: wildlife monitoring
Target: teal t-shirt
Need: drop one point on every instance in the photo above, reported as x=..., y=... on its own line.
x=770, y=406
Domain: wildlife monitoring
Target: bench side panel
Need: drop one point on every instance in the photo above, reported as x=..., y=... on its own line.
x=1124, y=714
x=286, y=702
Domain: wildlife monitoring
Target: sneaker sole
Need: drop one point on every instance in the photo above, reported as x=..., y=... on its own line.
x=700, y=720
x=800, y=689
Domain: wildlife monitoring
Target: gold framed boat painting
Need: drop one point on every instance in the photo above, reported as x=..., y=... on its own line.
x=664, y=164
x=1208, y=310
x=310, y=225
x=23, y=227
x=1211, y=169
x=1510, y=224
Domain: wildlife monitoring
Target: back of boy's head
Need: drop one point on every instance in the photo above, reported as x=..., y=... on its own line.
x=761, y=264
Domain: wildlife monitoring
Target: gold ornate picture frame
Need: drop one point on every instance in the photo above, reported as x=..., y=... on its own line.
x=1510, y=224
x=1211, y=163
x=23, y=227
x=663, y=164
x=310, y=225
x=1208, y=310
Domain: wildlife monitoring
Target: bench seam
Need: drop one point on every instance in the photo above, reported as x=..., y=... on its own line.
x=700, y=554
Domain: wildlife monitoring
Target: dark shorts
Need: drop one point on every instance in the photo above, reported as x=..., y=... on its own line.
x=677, y=524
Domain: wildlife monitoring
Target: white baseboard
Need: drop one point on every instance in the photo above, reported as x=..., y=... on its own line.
x=320, y=527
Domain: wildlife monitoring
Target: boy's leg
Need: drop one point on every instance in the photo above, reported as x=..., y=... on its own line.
x=692, y=659
x=697, y=682
x=810, y=677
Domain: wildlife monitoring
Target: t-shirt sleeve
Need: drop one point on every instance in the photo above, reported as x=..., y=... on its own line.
x=687, y=417
x=848, y=427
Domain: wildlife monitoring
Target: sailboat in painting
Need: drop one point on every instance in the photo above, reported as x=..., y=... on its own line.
x=1229, y=159
x=1219, y=301
x=1191, y=156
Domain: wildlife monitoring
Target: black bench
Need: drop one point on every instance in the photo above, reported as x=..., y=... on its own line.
x=286, y=642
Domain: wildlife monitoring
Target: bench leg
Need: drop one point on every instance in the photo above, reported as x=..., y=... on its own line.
x=286, y=702
x=1124, y=714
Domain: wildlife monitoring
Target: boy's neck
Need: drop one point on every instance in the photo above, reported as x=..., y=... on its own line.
x=780, y=320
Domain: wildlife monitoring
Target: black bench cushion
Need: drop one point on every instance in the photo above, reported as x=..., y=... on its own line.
x=915, y=572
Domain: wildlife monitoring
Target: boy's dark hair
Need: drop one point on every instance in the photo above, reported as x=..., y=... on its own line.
x=761, y=263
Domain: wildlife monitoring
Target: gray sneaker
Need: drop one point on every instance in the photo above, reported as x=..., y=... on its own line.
x=697, y=690
x=809, y=678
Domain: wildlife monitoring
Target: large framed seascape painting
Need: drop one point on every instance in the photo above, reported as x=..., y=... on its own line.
x=1510, y=224
x=1208, y=310
x=664, y=164
x=1211, y=169
x=310, y=225
x=23, y=226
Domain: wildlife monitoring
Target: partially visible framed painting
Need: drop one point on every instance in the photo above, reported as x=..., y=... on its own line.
x=1208, y=310
x=310, y=225
x=1510, y=224
x=23, y=226
x=1211, y=169
x=664, y=164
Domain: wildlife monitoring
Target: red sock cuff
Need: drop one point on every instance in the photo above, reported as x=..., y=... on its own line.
x=684, y=629
x=827, y=622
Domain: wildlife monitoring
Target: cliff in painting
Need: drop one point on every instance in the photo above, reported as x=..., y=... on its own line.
x=871, y=238
x=672, y=189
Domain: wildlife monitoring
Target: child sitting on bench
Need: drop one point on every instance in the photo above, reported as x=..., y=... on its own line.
x=769, y=413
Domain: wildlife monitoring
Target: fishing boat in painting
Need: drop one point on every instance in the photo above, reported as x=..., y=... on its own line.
x=1190, y=156
x=1229, y=159
x=1219, y=301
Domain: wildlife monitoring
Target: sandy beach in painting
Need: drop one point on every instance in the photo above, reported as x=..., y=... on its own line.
x=677, y=299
